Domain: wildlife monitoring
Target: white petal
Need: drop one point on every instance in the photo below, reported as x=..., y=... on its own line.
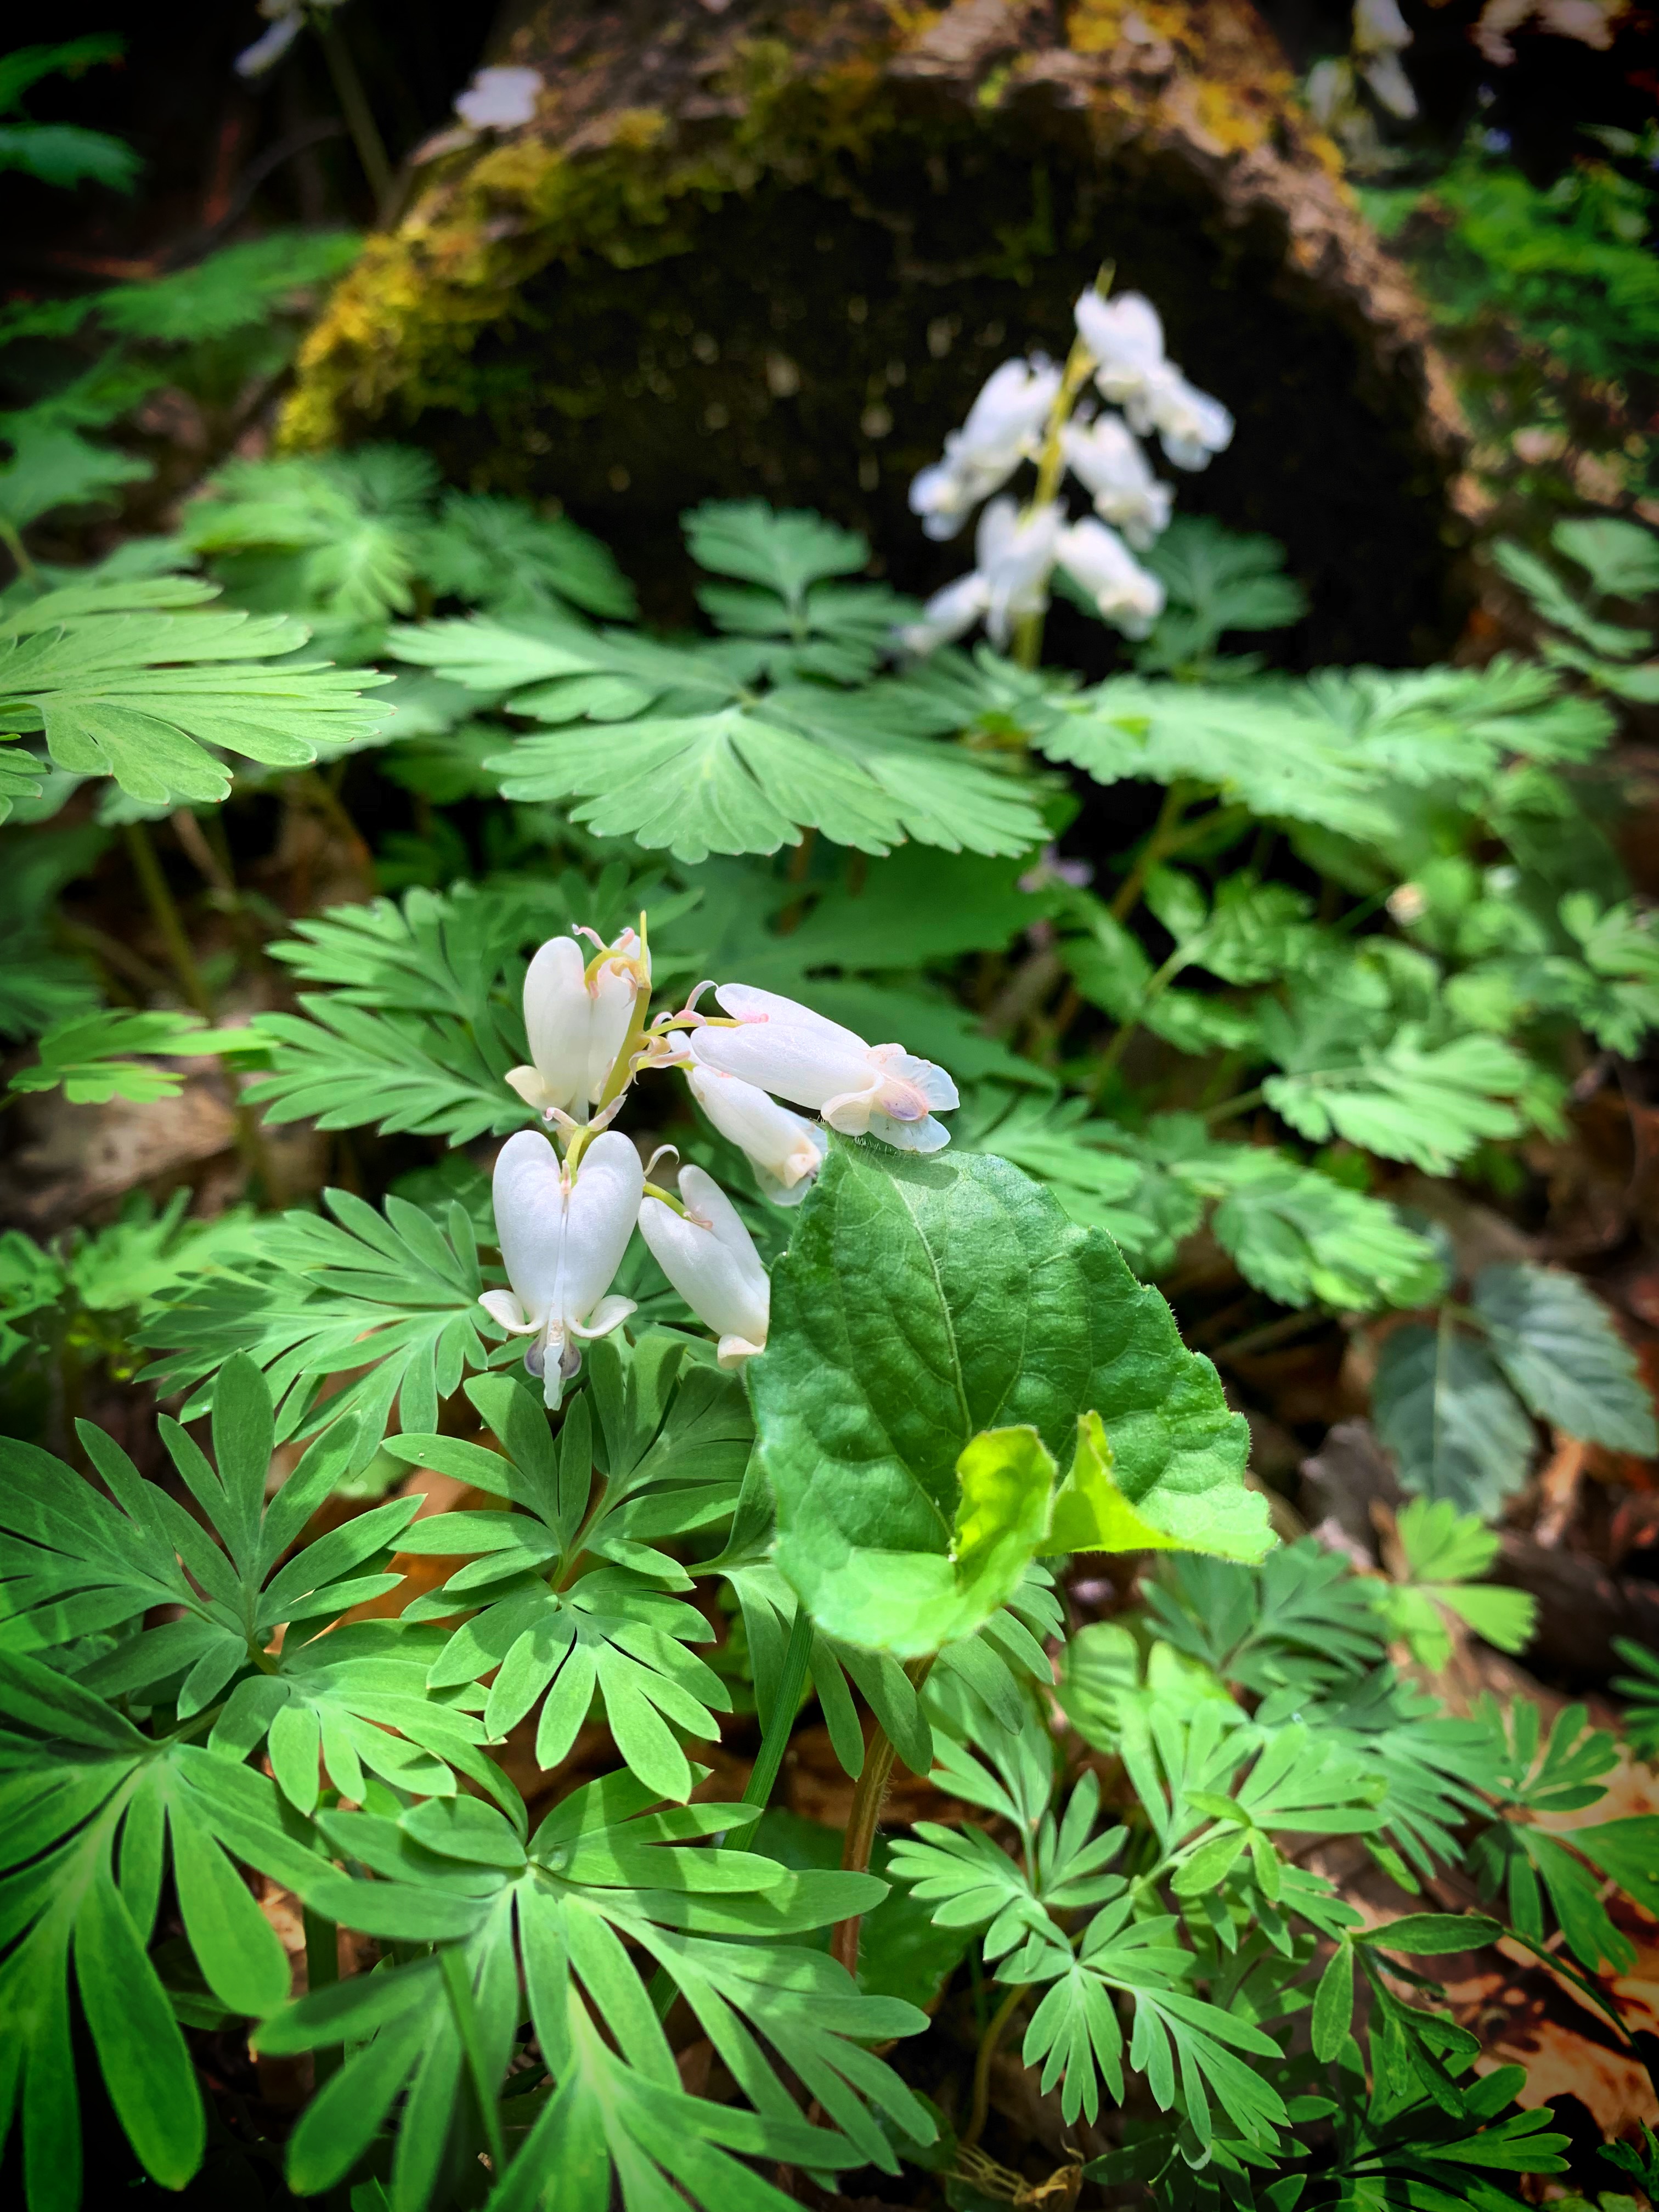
x=603, y=1203
x=804, y=1065
x=533, y=1087
x=928, y=1136
x=500, y=98
x=716, y=1270
x=785, y=1151
x=529, y=1195
x=849, y=1110
x=948, y=614
x=924, y=1076
x=610, y=1313
x=502, y=1306
x=734, y=1350
x=751, y=1005
x=270, y=45
x=558, y=1019
x=612, y=1001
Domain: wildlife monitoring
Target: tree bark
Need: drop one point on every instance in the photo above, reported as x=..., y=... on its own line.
x=760, y=249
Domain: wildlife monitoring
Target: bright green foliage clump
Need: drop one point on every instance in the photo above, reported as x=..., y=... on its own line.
x=264, y=1658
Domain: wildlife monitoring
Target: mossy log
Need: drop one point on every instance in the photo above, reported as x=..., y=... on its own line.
x=764, y=249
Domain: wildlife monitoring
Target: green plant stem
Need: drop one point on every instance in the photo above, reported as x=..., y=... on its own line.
x=458, y=1983
x=13, y=541
x=774, y=1738
x=995, y=2028
x=774, y=1741
x=1157, y=984
x=147, y=866
x=1229, y=1107
x=322, y=1968
x=859, y=1839
x=1160, y=840
x=164, y=913
x=354, y=106
x=1271, y=1333
x=1080, y=366
x=334, y=811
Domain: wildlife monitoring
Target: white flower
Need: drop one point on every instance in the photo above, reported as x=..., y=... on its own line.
x=1016, y=556
x=1126, y=337
x=878, y=1090
x=1128, y=595
x=1386, y=75
x=784, y=1149
x=1003, y=427
x=710, y=1258
x=268, y=49
x=947, y=615
x=577, y=1014
x=561, y=1240
x=1190, y=425
x=500, y=98
x=1106, y=459
x=1379, y=27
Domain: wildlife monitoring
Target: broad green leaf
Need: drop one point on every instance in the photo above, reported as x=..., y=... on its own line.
x=924, y=1301
x=59, y=467
x=152, y=699
x=1428, y=1104
x=1622, y=558
x=1455, y=1428
x=1091, y=1512
x=1558, y=1345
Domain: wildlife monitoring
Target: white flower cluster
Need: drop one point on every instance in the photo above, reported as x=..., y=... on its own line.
x=563, y=1224
x=1120, y=343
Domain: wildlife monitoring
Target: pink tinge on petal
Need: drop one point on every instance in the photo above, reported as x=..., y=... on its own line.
x=905, y=1101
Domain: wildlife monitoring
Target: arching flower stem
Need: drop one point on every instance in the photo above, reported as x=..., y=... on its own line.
x=1080, y=366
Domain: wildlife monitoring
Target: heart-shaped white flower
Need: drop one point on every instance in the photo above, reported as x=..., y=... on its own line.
x=561, y=1240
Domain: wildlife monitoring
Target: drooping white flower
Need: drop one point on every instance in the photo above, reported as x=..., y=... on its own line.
x=1106, y=457
x=1379, y=27
x=785, y=1149
x=1386, y=75
x=576, y=1015
x=1191, y=426
x=1126, y=337
x=949, y=615
x=287, y=20
x=1003, y=427
x=1015, y=550
x=1129, y=596
x=500, y=98
x=860, y=1089
x=710, y=1258
x=561, y=1240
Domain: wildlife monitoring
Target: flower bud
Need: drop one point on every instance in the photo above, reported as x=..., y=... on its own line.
x=561, y=1240
x=577, y=1016
x=780, y=1046
x=710, y=1258
x=785, y=1149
